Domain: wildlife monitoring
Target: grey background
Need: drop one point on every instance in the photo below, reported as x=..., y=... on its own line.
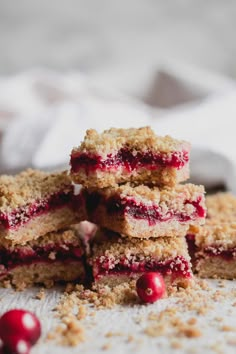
x=117, y=39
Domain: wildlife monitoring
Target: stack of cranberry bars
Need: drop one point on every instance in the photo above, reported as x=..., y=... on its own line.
x=131, y=180
x=37, y=242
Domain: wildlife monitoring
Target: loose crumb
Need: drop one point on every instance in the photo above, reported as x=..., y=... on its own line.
x=130, y=338
x=69, y=333
x=176, y=344
x=106, y=346
x=190, y=332
x=41, y=294
x=231, y=341
x=82, y=312
x=192, y=321
x=226, y=328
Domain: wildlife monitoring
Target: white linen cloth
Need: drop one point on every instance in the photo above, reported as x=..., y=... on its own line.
x=44, y=114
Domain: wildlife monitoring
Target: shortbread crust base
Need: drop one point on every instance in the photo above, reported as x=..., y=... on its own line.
x=168, y=176
x=216, y=267
x=44, y=273
x=114, y=280
x=132, y=227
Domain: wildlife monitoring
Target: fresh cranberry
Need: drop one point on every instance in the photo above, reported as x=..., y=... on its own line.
x=150, y=287
x=16, y=345
x=20, y=323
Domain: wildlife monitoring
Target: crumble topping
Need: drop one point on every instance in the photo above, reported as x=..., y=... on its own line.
x=176, y=267
x=141, y=139
x=221, y=236
x=62, y=237
x=110, y=245
x=221, y=207
x=31, y=185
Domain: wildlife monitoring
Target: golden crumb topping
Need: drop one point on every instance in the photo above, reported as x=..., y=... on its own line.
x=111, y=245
x=140, y=139
x=221, y=207
x=29, y=186
x=221, y=235
x=61, y=238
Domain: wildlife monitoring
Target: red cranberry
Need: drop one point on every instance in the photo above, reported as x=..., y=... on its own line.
x=16, y=345
x=150, y=287
x=20, y=323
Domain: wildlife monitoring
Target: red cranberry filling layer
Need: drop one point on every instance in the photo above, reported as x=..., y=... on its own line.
x=219, y=252
x=192, y=248
x=129, y=160
x=50, y=253
x=152, y=213
x=177, y=267
x=24, y=213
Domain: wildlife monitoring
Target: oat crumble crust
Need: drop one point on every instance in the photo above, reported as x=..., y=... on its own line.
x=69, y=236
x=65, y=235
x=140, y=139
x=222, y=235
x=221, y=207
x=161, y=176
x=111, y=245
x=31, y=185
x=44, y=273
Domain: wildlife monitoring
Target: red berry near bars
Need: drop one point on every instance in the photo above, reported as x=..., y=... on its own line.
x=20, y=324
x=150, y=287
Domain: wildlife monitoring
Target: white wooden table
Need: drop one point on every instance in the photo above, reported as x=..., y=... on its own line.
x=127, y=321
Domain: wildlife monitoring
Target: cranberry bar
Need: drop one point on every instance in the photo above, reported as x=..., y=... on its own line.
x=215, y=254
x=33, y=203
x=124, y=155
x=56, y=256
x=145, y=212
x=116, y=260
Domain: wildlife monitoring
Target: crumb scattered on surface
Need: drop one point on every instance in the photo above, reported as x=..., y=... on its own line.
x=192, y=321
x=114, y=334
x=231, y=341
x=106, y=346
x=73, y=333
x=6, y=284
x=198, y=303
x=130, y=338
x=226, y=328
x=81, y=312
x=176, y=344
x=41, y=294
